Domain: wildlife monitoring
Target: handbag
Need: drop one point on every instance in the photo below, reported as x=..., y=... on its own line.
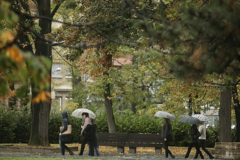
x=68, y=131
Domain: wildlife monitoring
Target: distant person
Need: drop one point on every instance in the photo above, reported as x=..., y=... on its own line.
x=95, y=139
x=87, y=133
x=63, y=139
x=194, y=134
x=167, y=136
x=202, y=140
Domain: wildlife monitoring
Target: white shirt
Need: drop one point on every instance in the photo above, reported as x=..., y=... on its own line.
x=202, y=130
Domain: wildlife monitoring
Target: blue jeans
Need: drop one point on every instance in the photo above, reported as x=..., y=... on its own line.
x=96, y=150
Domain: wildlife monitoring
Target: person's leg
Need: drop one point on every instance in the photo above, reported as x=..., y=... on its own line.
x=204, y=149
x=62, y=149
x=91, y=153
x=96, y=150
x=165, y=144
x=196, y=154
x=84, y=141
x=189, y=150
x=198, y=150
x=66, y=147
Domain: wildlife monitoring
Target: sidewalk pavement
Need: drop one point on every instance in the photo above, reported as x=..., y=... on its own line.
x=127, y=157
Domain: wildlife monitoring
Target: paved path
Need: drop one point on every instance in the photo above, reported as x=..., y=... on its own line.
x=127, y=157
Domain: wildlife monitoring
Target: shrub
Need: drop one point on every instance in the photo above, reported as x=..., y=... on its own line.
x=7, y=124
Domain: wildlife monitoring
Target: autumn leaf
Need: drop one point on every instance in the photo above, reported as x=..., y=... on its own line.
x=42, y=96
x=15, y=55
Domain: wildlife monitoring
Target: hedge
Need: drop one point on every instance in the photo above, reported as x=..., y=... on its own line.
x=16, y=126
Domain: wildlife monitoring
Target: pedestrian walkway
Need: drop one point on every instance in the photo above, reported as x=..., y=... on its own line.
x=127, y=157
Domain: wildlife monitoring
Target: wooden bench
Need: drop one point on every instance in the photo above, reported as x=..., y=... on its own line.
x=132, y=140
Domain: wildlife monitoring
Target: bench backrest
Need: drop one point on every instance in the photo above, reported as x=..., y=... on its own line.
x=130, y=139
x=112, y=139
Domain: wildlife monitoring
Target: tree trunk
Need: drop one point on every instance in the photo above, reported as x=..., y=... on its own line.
x=190, y=105
x=237, y=111
x=107, y=96
x=41, y=111
x=225, y=116
x=133, y=107
x=109, y=109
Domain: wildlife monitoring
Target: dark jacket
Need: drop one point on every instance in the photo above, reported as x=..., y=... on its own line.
x=193, y=134
x=95, y=137
x=65, y=123
x=88, y=132
x=167, y=131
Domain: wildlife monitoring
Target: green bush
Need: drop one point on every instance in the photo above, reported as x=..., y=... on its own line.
x=16, y=126
x=23, y=126
x=7, y=124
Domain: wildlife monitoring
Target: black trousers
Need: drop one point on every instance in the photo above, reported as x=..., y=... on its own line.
x=84, y=142
x=197, y=149
x=63, y=147
x=202, y=144
x=165, y=146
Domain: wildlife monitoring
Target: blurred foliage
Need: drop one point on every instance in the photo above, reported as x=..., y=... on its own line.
x=16, y=66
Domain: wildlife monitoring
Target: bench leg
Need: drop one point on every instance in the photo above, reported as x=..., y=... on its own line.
x=120, y=149
x=132, y=149
x=158, y=149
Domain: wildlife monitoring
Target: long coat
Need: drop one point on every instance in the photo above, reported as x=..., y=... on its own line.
x=167, y=131
x=95, y=137
x=192, y=133
x=65, y=123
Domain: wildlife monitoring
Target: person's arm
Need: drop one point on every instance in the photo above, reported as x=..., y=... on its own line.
x=200, y=128
x=86, y=122
x=166, y=131
x=64, y=126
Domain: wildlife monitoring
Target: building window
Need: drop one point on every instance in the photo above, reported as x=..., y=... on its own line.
x=57, y=70
x=68, y=73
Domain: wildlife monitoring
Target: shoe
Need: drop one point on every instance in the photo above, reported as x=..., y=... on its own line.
x=212, y=157
x=172, y=156
x=71, y=153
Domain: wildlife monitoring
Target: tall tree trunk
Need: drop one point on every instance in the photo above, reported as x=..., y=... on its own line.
x=225, y=116
x=41, y=111
x=190, y=105
x=237, y=110
x=107, y=95
x=109, y=109
x=133, y=104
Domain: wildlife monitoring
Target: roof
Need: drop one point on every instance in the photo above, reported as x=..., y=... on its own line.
x=121, y=61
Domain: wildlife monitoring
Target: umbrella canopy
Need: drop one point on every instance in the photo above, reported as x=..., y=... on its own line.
x=164, y=114
x=78, y=113
x=190, y=120
x=200, y=117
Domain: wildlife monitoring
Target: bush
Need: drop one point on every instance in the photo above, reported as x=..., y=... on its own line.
x=16, y=126
x=7, y=124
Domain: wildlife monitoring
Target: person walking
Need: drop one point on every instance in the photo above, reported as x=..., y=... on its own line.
x=202, y=140
x=63, y=139
x=167, y=136
x=95, y=139
x=87, y=133
x=194, y=134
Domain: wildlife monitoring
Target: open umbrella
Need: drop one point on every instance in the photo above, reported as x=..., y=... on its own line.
x=190, y=120
x=78, y=113
x=164, y=114
x=200, y=117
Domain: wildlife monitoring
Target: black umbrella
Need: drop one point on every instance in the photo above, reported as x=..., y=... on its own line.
x=190, y=120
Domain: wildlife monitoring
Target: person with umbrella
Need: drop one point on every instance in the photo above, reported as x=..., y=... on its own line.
x=87, y=133
x=193, y=133
x=167, y=130
x=167, y=136
x=202, y=138
x=63, y=139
